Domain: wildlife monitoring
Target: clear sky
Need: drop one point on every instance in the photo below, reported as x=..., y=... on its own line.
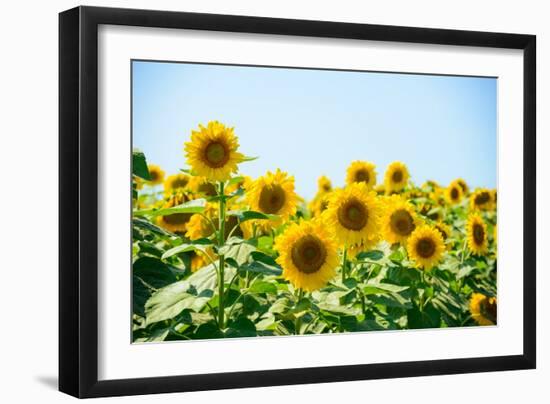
x=313, y=122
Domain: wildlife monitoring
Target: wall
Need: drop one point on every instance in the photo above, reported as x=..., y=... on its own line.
x=28, y=127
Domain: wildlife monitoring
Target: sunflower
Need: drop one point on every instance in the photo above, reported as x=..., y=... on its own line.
x=176, y=182
x=212, y=151
x=177, y=222
x=200, y=186
x=319, y=204
x=308, y=254
x=462, y=185
x=323, y=184
x=483, y=309
x=425, y=246
x=361, y=171
x=354, y=213
x=396, y=177
x=199, y=225
x=454, y=193
x=430, y=211
x=399, y=219
x=476, y=231
x=273, y=194
x=156, y=174
x=481, y=199
x=202, y=259
x=444, y=229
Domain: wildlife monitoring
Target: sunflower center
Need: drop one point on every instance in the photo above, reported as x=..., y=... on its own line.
x=207, y=188
x=362, y=175
x=402, y=222
x=154, y=175
x=488, y=308
x=482, y=198
x=326, y=187
x=479, y=234
x=308, y=254
x=272, y=199
x=216, y=154
x=425, y=247
x=177, y=218
x=397, y=176
x=353, y=215
x=454, y=193
x=179, y=183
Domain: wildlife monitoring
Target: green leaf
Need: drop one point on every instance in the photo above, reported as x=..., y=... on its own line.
x=244, y=215
x=374, y=288
x=242, y=327
x=429, y=317
x=192, y=293
x=186, y=247
x=240, y=251
x=156, y=336
x=263, y=287
x=139, y=165
x=235, y=180
x=248, y=158
x=261, y=268
x=147, y=225
x=153, y=272
x=191, y=207
x=373, y=255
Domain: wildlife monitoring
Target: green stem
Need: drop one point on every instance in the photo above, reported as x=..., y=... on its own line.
x=344, y=264
x=298, y=320
x=221, y=265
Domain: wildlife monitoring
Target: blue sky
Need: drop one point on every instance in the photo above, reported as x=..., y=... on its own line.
x=313, y=122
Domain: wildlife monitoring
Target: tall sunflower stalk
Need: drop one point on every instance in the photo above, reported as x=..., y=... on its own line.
x=221, y=256
x=212, y=154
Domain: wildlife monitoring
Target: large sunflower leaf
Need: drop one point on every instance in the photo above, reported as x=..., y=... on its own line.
x=192, y=293
x=139, y=165
x=194, y=206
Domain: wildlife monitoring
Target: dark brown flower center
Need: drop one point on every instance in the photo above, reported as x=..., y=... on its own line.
x=397, y=176
x=362, y=175
x=207, y=188
x=402, y=222
x=353, y=214
x=425, y=247
x=179, y=182
x=454, y=194
x=308, y=254
x=272, y=199
x=479, y=234
x=442, y=231
x=326, y=187
x=154, y=175
x=216, y=154
x=488, y=308
x=177, y=218
x=482, y=198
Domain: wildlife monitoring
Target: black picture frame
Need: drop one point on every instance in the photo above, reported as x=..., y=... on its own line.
x=78, y=201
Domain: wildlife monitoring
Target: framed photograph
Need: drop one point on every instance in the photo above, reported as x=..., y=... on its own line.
x=251, y=201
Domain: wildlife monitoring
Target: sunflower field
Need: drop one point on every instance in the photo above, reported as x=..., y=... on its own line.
x=217, y=254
